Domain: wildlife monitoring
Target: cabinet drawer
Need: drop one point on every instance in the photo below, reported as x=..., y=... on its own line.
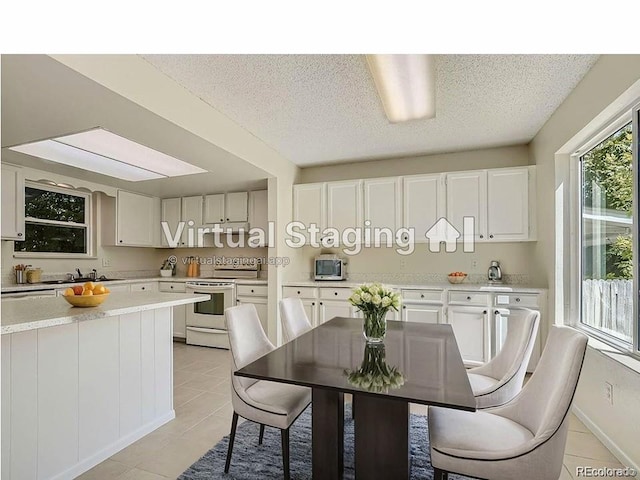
x=470, y=298
x=335, y=293
x=519, y=300
x=252, y=290
x=144, y=287
x=300, y=292
x=411, y=296
x=178, y=287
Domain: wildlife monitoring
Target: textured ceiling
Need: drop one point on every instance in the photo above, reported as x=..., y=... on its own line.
x=316, y=109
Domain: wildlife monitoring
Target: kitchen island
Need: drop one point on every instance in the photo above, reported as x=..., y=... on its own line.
x=80, y=384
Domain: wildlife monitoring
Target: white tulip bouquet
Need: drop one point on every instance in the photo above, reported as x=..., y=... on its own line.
x=374, y=300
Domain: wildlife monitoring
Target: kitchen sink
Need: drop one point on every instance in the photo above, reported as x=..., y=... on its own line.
x=105, y=279
x=80, y=280
x=55, y=282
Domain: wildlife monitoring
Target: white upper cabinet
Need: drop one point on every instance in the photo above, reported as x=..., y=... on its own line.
x=309, y=204
x=192, y=210
x=508, y=204
x=259, y=212
x=172, y=214
x=136, y=219
x=467, y=197
x=344, y=204
x=383, y=202
x=12, y=203
x=226, y=207
x=214, y=208
x=423, y=203
x=236, y=207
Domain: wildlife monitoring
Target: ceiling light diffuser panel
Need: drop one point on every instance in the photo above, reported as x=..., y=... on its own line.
x=406, y=85
x=103, y=152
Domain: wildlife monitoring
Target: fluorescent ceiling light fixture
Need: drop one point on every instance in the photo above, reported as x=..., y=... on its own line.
x=406, y=85
x=103, y=152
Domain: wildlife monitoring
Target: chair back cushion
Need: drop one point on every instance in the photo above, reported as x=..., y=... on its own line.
x=522, y=328
x=543, y=403
x=294, y=318
x=247, y=340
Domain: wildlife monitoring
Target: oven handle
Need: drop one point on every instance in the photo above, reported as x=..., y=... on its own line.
x=206, y=289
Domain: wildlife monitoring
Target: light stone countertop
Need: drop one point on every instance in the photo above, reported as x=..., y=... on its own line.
x=429, y=286
x=34, y=287
x=30, y=314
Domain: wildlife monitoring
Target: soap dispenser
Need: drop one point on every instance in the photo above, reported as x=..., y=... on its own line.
x=495, y=272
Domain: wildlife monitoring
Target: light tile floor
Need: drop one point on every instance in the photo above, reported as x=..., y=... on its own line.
x=203, y=416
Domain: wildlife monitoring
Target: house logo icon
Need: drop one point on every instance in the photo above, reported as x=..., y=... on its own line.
x=444, y=233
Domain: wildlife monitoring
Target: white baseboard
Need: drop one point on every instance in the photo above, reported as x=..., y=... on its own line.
x=605, y=439
x=87, y=463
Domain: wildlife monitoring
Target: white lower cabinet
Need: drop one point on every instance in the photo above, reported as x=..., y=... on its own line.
x=333, y=308
x=311, y=309
x=144, y=287
x=179, y=311
x=257, y=295
x=422, y=313
x=471, y=328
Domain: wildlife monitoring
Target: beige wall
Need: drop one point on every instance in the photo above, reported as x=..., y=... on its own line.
x=604, y=83
x=447, y=162
x=514, y=257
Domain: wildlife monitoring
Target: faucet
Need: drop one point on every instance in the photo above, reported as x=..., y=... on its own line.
x=79, y=273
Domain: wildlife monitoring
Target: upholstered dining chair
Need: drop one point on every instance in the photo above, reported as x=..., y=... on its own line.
x=523, y=439
x=499, y=380
x=294, y=318
x=267, y=403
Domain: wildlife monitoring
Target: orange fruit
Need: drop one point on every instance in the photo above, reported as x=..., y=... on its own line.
x=106, y=290
x=98, y=289
x=86, y=292
x=88, y=286
x=69, y=292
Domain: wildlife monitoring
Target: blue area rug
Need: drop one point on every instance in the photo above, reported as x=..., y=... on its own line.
x=251, y=461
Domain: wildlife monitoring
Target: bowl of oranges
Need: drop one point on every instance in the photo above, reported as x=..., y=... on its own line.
x=456, y=277
x=88, y=295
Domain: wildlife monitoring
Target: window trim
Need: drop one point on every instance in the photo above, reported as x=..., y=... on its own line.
x=88, y=223
x=625, y=116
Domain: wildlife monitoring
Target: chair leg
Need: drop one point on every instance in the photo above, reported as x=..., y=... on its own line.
x=440, y=474
x=261, y=434
x=232, y=437
x=285, y=452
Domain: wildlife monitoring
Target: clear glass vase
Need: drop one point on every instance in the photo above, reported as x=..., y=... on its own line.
x=375, y=325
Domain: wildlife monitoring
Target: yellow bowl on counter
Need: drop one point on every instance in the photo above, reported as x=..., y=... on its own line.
x=86, y=300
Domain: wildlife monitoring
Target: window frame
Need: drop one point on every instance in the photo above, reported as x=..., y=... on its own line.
x=88, y=222
x=628, y=115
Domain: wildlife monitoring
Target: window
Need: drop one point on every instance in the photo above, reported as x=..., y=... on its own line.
x=57, y=221
x=608, y=199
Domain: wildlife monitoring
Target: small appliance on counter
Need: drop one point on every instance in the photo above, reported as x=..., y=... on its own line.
x=494, y=273
x=329, y=267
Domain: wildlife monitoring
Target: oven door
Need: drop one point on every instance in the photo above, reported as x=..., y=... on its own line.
x=210, y=313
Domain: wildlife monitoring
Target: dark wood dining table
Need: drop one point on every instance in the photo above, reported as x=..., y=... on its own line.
x=427, y=358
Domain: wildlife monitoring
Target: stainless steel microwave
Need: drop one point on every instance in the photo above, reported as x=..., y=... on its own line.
x=330, y=267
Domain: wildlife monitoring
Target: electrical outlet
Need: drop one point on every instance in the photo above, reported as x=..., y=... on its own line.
x=403, y=263
x=106, y=262
x=608, y=392
x=474, y=264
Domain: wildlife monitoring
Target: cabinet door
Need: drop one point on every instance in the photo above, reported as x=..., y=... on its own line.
x=383, y=202
x=135, y=214
x=261, y=307
x=12, y=203
x=214, y=208
x=467, y=197
x=423, y=203
x=236, y=207
x=309, y=205
x=508, y=204
x=470, y=326
x=259, y=212
x=179, y=321
x=172, y=214
x=311, y=309
x=344, y=204
x=422, y=313
x=333, y=308
x=192, y=210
